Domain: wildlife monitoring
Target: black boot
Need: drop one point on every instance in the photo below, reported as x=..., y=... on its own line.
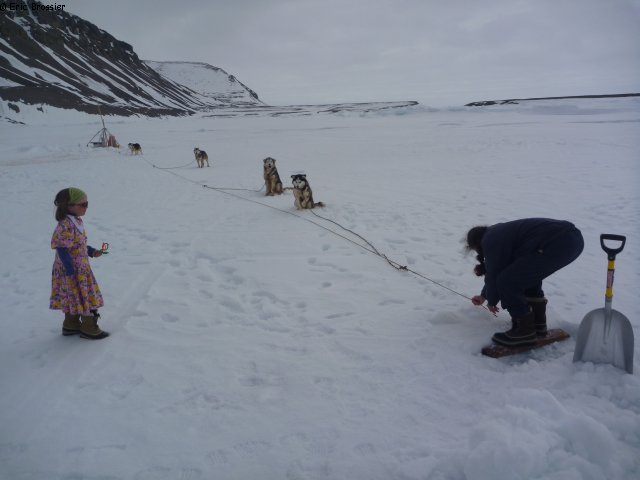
x=539, y=308
x=523, y=332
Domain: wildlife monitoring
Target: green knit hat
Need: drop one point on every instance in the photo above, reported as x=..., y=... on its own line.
x=75, y=195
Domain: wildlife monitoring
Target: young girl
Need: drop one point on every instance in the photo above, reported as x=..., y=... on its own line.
x=73, y=287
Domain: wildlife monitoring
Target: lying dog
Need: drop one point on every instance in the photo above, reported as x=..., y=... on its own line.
x=271, y=177
x=201, y=157
x=135, y=148
x=302, y=193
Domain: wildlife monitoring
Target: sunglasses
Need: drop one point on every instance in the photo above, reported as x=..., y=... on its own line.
x=83, y=204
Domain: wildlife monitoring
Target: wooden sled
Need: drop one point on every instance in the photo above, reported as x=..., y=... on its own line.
x=496, y=351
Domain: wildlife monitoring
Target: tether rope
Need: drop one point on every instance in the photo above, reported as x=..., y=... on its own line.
x=393, y=263
x=192, y=181
x=369, y=248
x=174, y=168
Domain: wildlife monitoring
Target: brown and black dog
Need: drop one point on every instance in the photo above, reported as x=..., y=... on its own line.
x=201, y=157
x=302, y=193
x=135, y=148
x=271, y=177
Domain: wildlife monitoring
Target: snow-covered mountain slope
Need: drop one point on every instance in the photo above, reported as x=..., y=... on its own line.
x=212, y=83
x=60, y=60
x=56, y=64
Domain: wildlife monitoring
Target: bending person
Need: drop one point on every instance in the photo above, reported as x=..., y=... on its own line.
x=514, y=259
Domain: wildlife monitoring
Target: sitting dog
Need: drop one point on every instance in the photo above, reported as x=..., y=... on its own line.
x=302, y=193
x=201, y=157
x=135, y=148
x=271, y=177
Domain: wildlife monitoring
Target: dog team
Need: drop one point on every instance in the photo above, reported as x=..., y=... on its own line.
x=301, y=189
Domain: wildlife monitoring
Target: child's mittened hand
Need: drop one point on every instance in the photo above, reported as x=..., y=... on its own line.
x=97, y=253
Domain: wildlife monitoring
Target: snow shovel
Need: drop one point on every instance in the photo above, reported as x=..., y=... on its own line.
x=605, y=335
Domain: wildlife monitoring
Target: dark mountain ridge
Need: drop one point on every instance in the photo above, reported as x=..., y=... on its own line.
x=58, y=59
x=512, y=101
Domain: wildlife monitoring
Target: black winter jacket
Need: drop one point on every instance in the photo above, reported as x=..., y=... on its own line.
x=503, y=243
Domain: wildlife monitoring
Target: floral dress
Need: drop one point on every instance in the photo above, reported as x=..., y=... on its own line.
x=79, y=293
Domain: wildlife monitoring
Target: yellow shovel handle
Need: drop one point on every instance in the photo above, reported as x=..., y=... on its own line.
x=611, y=257
x=611, y=268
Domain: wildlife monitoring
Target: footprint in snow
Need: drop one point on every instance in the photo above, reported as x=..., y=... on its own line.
x=206, y=294
x=218, y=457
x=232, y=305
x=169, y=318
x=149, y=237
x=205, y=278
x=262, y=294
x=365, y=449
x=390, y=301
x=252, y=448
x=397, y=241
x=166, y=473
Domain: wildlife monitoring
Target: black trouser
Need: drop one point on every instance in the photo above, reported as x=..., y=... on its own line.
x=523, y=278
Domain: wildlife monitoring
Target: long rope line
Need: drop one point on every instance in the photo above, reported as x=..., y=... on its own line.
x=175, y=168
x=369, y=246
x=184, y=178
x=168, y=168
x=393, y=263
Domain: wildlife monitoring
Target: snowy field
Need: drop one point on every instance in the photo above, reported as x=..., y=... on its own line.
x=249, y=343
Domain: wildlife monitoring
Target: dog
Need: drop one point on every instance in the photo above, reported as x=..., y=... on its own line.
x=201, y=157
x=271, y=177
x=135, y=148
x=302, y=193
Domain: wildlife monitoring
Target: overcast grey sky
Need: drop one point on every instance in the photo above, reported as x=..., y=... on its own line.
x=439, y=52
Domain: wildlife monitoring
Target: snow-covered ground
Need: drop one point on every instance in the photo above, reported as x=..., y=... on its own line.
x=250, y=343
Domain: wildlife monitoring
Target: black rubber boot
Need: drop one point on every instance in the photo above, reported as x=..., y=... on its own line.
x=523, y=332
x=539, y=308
